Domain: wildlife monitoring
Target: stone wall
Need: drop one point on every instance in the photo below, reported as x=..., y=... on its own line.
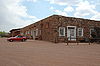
x=49, y=27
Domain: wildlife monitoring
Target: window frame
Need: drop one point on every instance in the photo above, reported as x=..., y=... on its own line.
x=63, y=31
x=91, y=29
x=81, y=32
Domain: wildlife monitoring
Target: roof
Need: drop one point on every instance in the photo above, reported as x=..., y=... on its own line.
x=14, y=30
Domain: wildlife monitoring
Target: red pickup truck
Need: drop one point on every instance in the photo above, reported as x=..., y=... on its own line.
x=17, y=38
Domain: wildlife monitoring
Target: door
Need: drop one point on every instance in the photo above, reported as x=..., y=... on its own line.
x=34, y=34
x=71, y=33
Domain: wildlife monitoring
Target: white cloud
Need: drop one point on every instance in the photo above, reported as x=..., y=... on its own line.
x=80, y=8
x=64, y=2
x=12, y=15
x=68, y=9
x=85, y=9
x=52, y=8
x=32, y=0
x=96, y=17
x=60, y=12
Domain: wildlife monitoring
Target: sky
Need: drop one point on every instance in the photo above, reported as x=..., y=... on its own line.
x=20, y=13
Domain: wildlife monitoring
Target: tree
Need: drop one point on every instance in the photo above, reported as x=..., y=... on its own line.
x=3, y=34
x=97, y=29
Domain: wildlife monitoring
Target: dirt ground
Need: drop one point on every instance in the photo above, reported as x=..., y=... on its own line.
x=41, y=53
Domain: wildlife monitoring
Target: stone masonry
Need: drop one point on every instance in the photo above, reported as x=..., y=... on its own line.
x=48, y=29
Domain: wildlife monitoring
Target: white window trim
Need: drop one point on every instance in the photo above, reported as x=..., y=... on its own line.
x=64, y=31
x=82, y=32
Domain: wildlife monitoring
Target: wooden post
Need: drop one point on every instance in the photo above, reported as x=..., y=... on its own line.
x=56, y=40
x=77, y=41
x=89, y=41
x=67, y=41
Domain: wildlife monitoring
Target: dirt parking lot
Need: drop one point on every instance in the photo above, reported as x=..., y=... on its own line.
x=41, y=53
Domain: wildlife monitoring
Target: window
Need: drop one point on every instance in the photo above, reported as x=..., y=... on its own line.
x=39, y=32
x=41, y=25
x=91, y=31
x=22, y=33
x=80, y=32
x=61, y=31
x=28, y=32
x=36, y=32
x=18, y=36
x=31, y=32
x=47, y=25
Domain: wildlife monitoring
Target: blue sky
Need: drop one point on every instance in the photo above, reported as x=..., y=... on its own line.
x=19, y=13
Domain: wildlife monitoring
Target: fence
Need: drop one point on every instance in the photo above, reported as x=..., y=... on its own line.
x=77, y=41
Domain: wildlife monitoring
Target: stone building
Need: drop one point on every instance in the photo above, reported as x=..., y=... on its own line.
x=57, y=28
x=14, y=32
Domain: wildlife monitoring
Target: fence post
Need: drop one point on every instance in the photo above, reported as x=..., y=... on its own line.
x=77, y=41
x=56, y=40
x=89, y=41
x=67, y=41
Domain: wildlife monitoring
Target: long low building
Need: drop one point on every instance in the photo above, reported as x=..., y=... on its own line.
x=14, y=32
x=57, y=28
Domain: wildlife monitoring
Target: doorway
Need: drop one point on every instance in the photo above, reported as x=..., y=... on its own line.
x=71, y=33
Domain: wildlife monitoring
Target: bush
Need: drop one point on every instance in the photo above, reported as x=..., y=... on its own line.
x=3, y=34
